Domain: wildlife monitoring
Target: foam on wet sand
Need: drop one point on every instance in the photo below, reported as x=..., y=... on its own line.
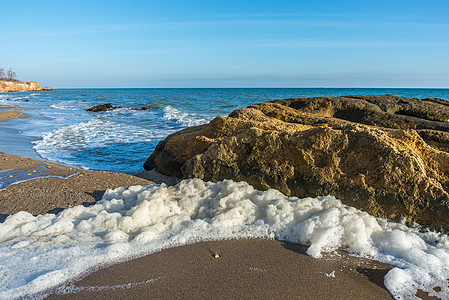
x=39, y=253
x=40, y=187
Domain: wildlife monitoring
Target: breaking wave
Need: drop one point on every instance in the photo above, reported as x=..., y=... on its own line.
x=183, y=118
x=95, y=142
x=96, y=132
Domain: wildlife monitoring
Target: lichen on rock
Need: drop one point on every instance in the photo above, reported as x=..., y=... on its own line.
x=386, y=155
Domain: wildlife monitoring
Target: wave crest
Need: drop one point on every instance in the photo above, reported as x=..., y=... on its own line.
x=181, y=117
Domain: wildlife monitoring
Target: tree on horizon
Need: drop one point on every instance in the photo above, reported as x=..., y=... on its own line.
x=10, y=75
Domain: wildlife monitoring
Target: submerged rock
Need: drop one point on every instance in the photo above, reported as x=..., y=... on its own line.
x=386, y=155
x=101, y=107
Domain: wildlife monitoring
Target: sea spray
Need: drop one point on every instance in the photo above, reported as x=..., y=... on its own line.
x=39, y=253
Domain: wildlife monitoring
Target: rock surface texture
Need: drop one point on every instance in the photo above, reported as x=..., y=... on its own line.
x=386, y=155
x=18, y=86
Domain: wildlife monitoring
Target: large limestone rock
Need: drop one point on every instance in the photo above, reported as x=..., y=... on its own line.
x=19, y=86
x=386, y=155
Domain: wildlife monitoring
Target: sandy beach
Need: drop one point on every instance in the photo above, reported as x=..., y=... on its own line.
x=47, y=193
x=9, y=112
x=221, y=269
x=245, y=269
x=224, y=150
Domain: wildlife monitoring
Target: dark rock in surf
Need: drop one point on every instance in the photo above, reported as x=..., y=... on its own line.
x=101, y=107
x=386, y=155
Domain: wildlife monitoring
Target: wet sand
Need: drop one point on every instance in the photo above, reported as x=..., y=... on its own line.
x=245, y=269
x=8, y=113
x=31, y=190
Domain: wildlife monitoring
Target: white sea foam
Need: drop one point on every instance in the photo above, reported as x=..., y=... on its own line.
x=9, y=98
x=20, y=98
x=94, y=133
x=67, y=105
x=15, y=176
x=182, y=117
x=330, y=275
x=38, y=253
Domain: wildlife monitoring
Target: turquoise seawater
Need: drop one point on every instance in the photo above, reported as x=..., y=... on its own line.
x=60, y=128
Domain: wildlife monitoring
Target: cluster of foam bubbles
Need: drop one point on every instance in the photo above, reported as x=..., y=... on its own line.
x=183, y=118
x=39, y=253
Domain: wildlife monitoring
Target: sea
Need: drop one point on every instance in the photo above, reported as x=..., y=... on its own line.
x=61, y=129
x=43, y=254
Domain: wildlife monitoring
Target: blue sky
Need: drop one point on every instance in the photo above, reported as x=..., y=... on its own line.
x=227, y=43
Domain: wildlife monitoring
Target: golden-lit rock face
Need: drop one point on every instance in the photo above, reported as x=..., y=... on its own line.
x=386, y=155
x=18, y=86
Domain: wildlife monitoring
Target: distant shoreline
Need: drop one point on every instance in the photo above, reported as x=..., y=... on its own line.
x=19, y=86
x=250, y=88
